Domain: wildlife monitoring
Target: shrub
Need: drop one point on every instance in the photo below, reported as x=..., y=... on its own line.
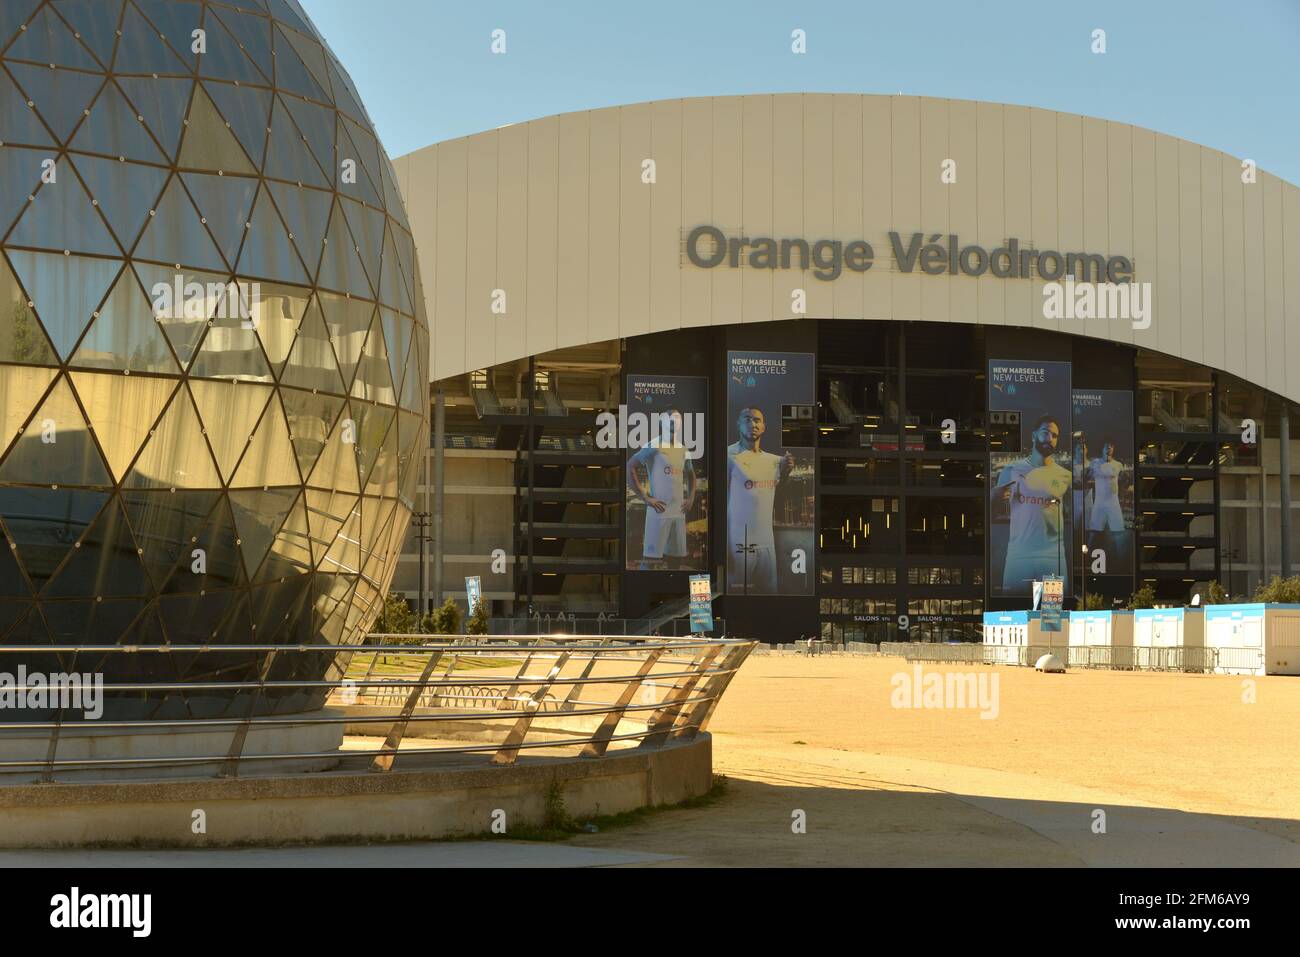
x=479, y=620
x=1144, y=597
x=445, y=619
x=1280, y=591
x=396, y=618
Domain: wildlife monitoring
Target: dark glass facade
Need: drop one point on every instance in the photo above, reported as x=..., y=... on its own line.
x=213, y=350
x=901, y=514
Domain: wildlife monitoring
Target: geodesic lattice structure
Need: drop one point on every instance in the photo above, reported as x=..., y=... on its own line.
x=213, y=351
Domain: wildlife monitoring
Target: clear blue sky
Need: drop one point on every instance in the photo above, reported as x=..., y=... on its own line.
x=1222, y=73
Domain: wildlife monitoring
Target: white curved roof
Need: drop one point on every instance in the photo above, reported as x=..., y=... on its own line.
x=554, y=212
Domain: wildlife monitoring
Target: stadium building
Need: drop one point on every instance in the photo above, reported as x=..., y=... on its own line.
x=916, y=354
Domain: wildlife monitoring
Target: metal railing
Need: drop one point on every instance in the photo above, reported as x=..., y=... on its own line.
x=573, y=625
x=570, y=692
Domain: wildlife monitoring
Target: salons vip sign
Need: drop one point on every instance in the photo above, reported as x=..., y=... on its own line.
x=666, y=514
x=1030, y=476
x=1102, y=466
x=771, y=495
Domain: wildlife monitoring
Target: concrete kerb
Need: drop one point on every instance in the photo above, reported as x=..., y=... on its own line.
x=415, y=802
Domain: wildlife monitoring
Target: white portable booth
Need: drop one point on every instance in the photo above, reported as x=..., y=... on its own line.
x=1169, y=639
x=1253, y=639
x=1091, y=631
x=1011, y=632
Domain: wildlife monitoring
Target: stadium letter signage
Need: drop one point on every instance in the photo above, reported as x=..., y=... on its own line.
x=935, y=255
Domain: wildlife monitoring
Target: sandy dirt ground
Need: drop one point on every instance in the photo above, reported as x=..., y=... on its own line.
x=1185, y=769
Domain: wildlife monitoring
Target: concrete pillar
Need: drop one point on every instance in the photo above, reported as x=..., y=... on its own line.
x=1284, y=485
x=439, y=441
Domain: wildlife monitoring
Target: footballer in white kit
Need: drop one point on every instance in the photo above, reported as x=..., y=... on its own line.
x=668, y=492
x=1035, y=487
x=1105, y=514
x=752, y=478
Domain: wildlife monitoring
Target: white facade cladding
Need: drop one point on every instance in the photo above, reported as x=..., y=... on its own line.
x=574, y=227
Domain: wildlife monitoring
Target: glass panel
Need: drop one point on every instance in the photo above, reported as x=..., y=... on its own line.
x=265, y=462
x=311, y=364
x=47, y=40
x=174, y=234
x=185, y=317
x=372, y=426
x=252, y=32
x=316, y=123
x=268, y=251
x=125, y=192
x=248, y=111
x=65, y=291
x=122, y=410
x=96, y=21
x=326, y=512
x=276, y=314
x=310, y=418
x=61, y=217
x=233, y=352
x=163, y=523
x=21, y=337
x=373, y=382
x=56, y=447
x=13, y=14
x=21, y=388
x=340, y=267
x=60, y=95
x=225, y=203
x=290, y=74
x=140, y=49
x=285, y=157
x=348, y=321
x=162, y=102
x=415, y=390
x=361, y=145
x=225, y=59
x=221, y=567
x=112, y=128
x=104, y=563
x=367, y=226
x=176, y=21
x=290, y=553
x=230, y=411
x=176, y=456
x=336, y=466
x=306, y=212
x=258, y=516
x=209, y=143
x=20, y=170
x=44, y=523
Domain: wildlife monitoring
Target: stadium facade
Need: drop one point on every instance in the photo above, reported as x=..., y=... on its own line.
x=212, y=346
x=923, y=352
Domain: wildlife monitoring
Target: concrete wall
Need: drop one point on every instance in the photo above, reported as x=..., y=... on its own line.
x=397, y=805
x=554, y=213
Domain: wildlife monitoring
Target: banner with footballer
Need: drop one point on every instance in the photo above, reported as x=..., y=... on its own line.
x=771, y=495
x=1030, y=476
x=1102, y=444
x=666, y=514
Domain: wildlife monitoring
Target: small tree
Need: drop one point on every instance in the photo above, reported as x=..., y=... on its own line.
x=479, y=620
x=1285, y=591
x=396, y=617
x=1144, y=597
x=1214, y=595
x=1094, y=602
x=446, y=618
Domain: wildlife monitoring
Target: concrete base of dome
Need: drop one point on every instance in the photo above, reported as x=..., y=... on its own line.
x=425, y=797
x=85, y=742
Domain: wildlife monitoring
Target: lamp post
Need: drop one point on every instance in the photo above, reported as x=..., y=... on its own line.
x=422, y=522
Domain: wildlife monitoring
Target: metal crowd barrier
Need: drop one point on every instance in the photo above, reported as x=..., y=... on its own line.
x=669, y=688
x=1195, y=660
